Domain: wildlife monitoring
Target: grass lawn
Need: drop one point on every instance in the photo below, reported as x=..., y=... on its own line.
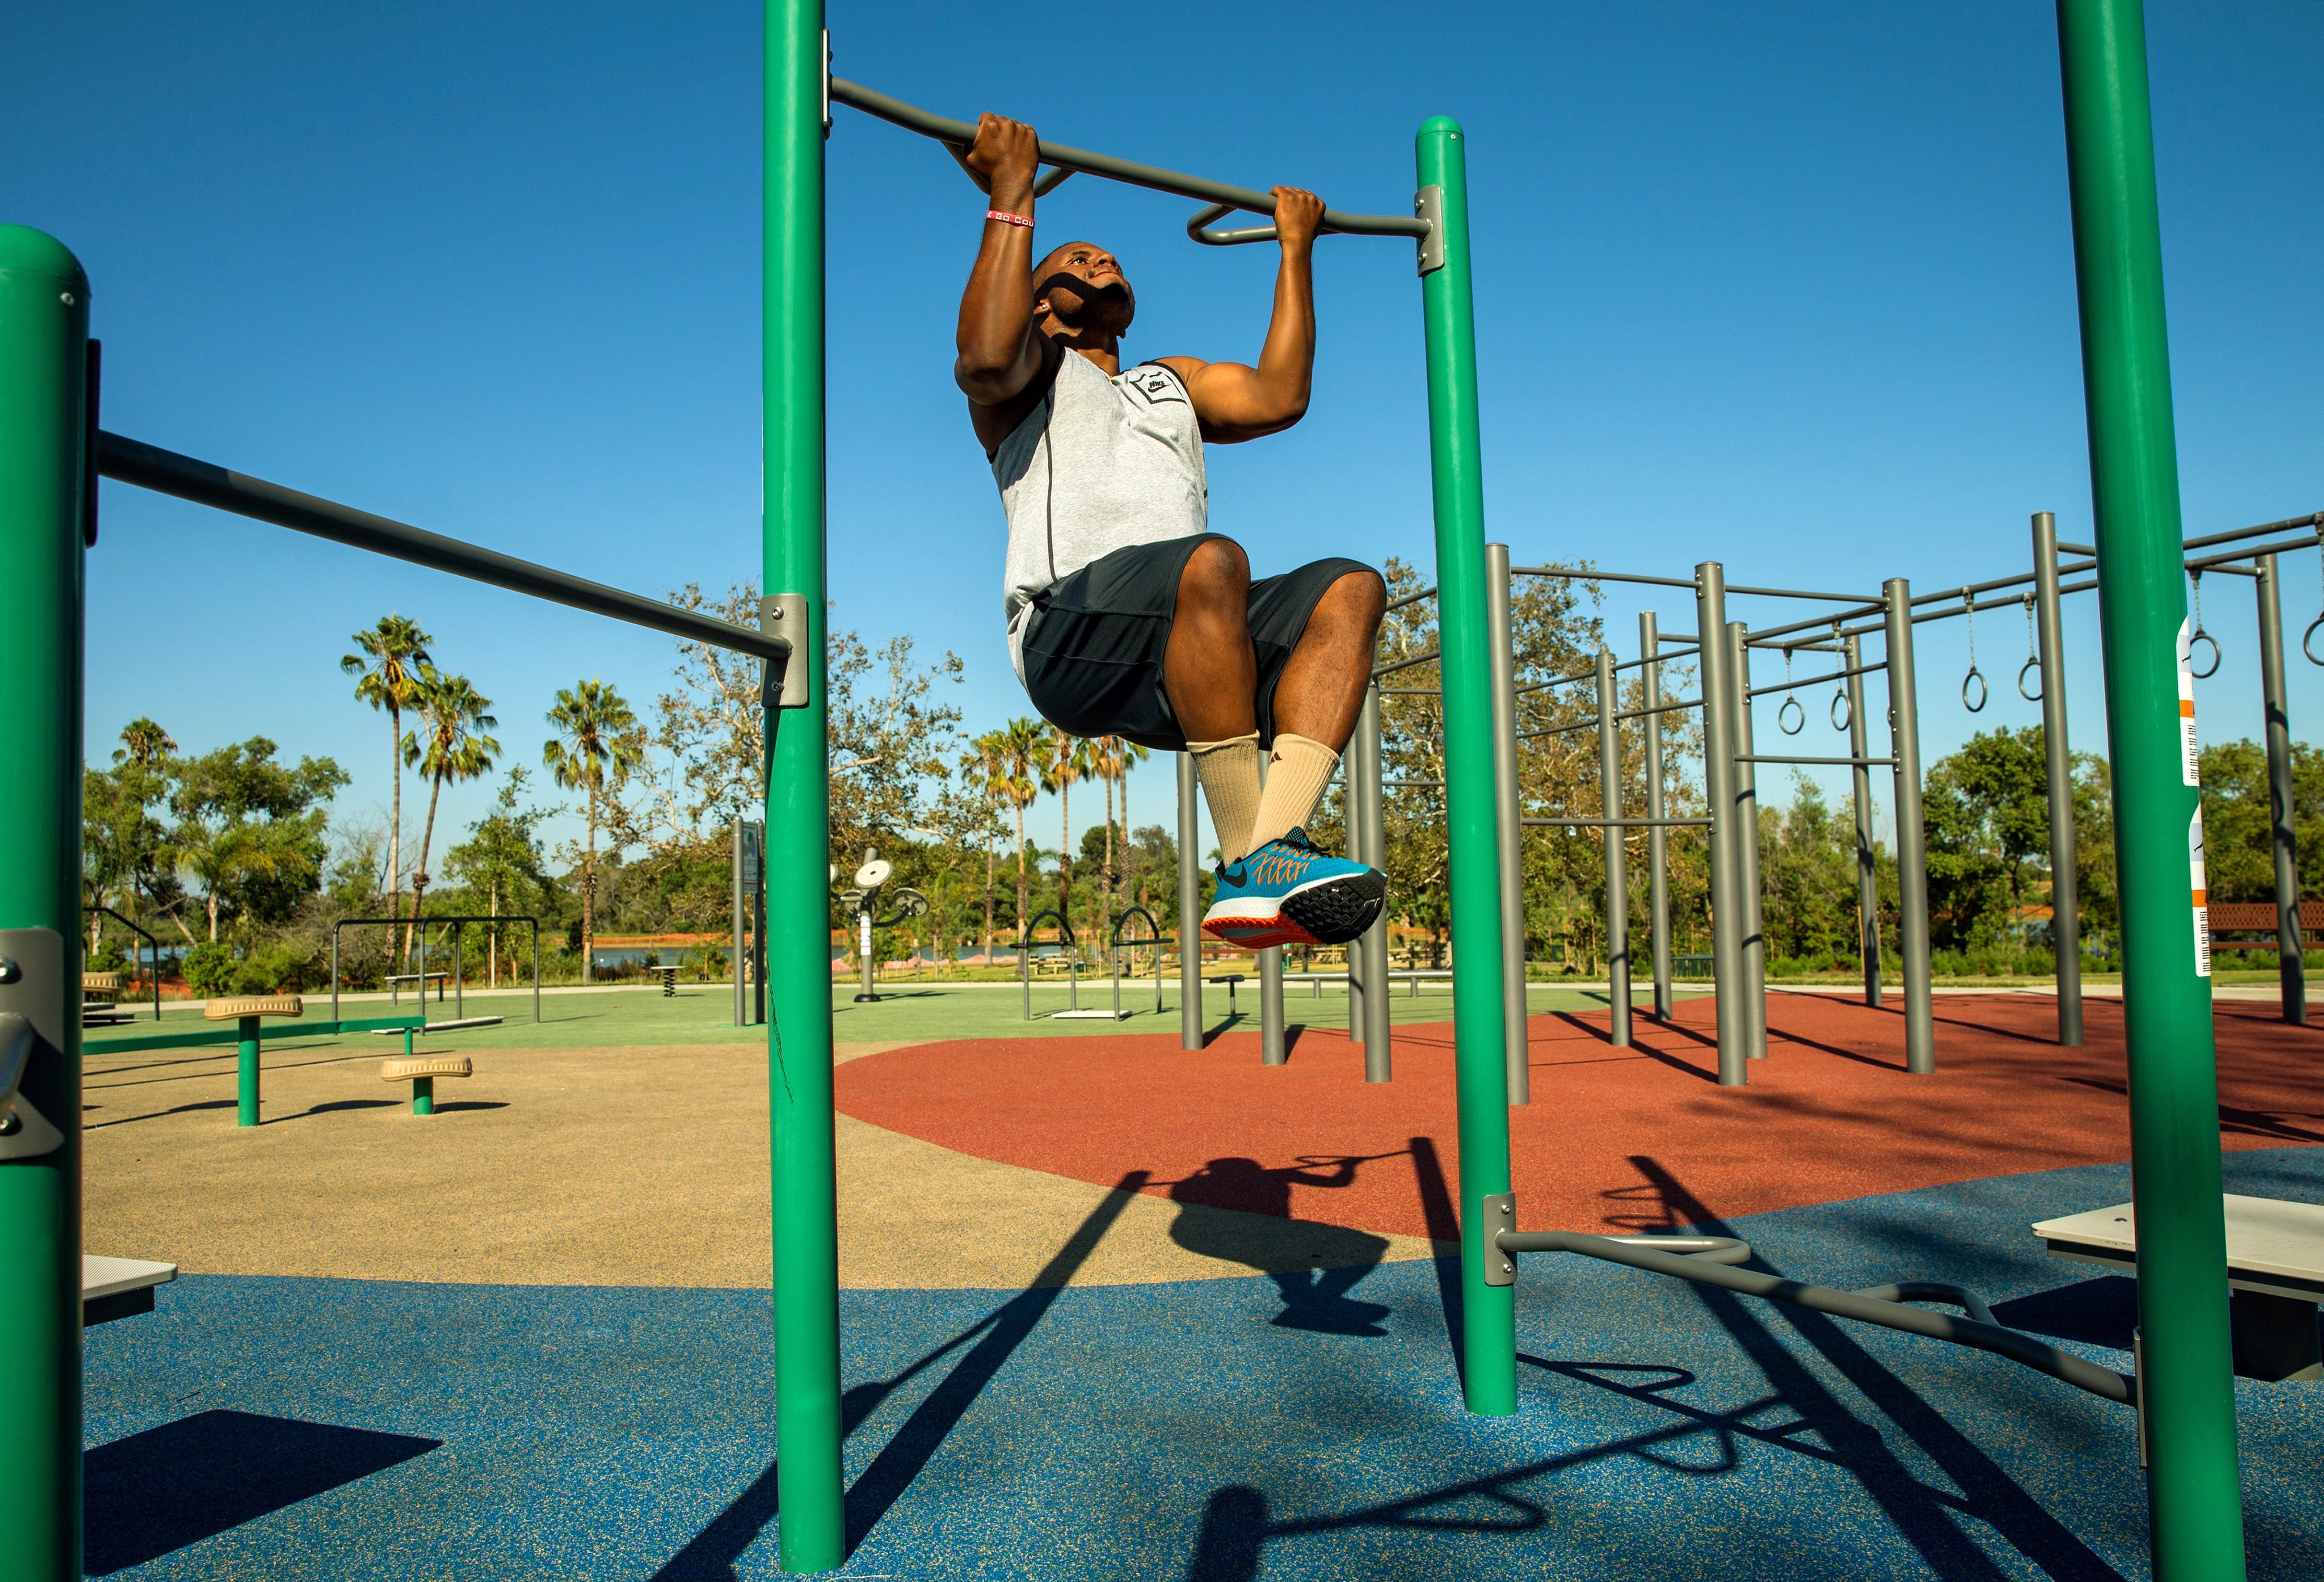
x=703, y=1014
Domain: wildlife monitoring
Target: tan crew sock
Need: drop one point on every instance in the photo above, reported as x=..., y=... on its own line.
x=1229, y=771
x=1297, y=773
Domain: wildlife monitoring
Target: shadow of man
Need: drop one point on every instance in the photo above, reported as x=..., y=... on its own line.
x=1238, y=1210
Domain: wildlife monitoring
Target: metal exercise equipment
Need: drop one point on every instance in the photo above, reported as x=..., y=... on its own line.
x=419, y=926
x=1025, y=944
x=749, y=959
x=153, y=946
x=1120, y=945
x=1976, y=677
x=2196, y=667
x=863, y=899
x=47, y=421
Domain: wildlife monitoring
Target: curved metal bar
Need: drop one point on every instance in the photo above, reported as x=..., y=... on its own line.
x=961, y=134
x=1932, y=1290
x=1983, y=691
x=1209, y=238
x=2309, y=637
x=2033, y=664
x=1978, y=1333
x=1058, y=177
x=1791, y=706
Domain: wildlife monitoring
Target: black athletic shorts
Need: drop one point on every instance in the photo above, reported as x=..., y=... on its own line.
x=1093, y=645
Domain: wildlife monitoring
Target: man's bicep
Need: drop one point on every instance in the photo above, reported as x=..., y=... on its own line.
x=1229, y=402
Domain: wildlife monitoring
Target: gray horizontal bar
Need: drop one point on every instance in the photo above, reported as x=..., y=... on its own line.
x=1838, y=598
x=2212, y=566
x=1686, y=637
x=1687, y=582
x=166, y=472
x=1659, y=709
x=961, y=134
x=1863, y=1306
x=1559, y=730
x=1405, y=664
x=1412, y=691
x=2089, y=550
x=1412, y=785
x=2313, y=518
x=2249, y=550
x=1767, y=639
x=1818, y=681
x=1613, y=823
x=1741, y=758
x=1412, y=598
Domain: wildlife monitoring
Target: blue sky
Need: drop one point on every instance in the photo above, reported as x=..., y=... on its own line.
x=1788, y=286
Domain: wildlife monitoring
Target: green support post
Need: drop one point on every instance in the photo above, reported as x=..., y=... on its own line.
x=808, y=1479
x=43, y=352
x=245, y=1084
x=423, y=1095
x=2194, y=1508
x=1448, y=310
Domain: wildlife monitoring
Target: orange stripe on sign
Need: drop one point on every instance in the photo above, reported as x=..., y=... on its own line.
x=2186, y=708
x=2199, y=897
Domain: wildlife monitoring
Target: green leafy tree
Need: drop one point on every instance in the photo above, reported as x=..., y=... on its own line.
x=502, y=857
x=598, y=746
x=126, y=857
x=1068, y=760
x=1023, y=745
x=2239, y=820
x=387, y=672
x=250, y=829
x=449, y=746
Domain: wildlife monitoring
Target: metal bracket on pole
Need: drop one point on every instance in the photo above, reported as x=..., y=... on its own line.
x=784, y=613
x=1499, y=1213
x=1428, y=204
x=31, y=1036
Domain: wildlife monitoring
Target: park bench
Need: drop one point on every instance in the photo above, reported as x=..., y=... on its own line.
x=119, y=1288
x=2275, y=1273
x=668, y=976
x=421, y=1071
x=248, y=1008
x=394, y=994
x=2258, y=917
x=97, y=1008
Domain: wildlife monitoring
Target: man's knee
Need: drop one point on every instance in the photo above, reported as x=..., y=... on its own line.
x=1358, y=597
x=1217, y=572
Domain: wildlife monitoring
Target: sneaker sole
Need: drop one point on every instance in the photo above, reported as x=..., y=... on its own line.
x=1329, y=911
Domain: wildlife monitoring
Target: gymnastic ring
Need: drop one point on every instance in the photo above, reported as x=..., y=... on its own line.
x=2203, y=675
x=2035, y=666
x=2307, y=636
x=1983, y=693
x=1841, y=719
x=1791, y=706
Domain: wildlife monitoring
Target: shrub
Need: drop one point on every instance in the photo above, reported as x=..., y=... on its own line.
x=111, y=957
x=209, y=968
x=271, y=968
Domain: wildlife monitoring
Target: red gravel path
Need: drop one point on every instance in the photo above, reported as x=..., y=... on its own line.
x=1615, y=1138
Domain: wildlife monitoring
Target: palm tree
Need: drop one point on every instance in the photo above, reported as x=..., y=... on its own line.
x=596, y=746
x=1021, y=782
x=1113, y=755
x=981, y=768
x=1069, y=760
x=388, y=677
x=144, y=743
x=449, y=746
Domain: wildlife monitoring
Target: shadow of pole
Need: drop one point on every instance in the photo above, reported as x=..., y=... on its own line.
x=916, y=1443
x=1919, y=1514
x=1444, y=1226
x=710, y=1555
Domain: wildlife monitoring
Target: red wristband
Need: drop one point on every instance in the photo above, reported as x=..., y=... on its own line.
x=1007, y=218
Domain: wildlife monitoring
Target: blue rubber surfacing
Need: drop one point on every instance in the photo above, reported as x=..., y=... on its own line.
x=1215, y=1430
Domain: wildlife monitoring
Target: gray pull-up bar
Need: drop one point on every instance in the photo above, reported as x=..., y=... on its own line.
x=165, y=472
x=1221, y=196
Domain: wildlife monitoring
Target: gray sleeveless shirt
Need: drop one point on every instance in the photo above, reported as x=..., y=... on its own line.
x=1100, y=464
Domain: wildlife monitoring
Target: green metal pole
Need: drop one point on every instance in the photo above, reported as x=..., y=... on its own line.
x=809, y=1482
x=1480, y=1040
x=245, y=1085
x=43, y=335
x=423, y=1095
x=2194, y=1510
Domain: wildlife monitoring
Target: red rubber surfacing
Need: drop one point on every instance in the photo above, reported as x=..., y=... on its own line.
x=1614, y=1139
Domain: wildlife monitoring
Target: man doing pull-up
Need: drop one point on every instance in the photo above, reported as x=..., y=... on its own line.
x=1127, y=617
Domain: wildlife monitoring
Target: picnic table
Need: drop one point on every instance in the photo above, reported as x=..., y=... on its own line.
x=2275, y=1274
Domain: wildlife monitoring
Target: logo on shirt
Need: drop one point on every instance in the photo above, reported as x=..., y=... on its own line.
x=1155, y=383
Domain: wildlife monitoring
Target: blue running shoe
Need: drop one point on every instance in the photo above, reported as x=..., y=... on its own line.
x=1286, y=893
